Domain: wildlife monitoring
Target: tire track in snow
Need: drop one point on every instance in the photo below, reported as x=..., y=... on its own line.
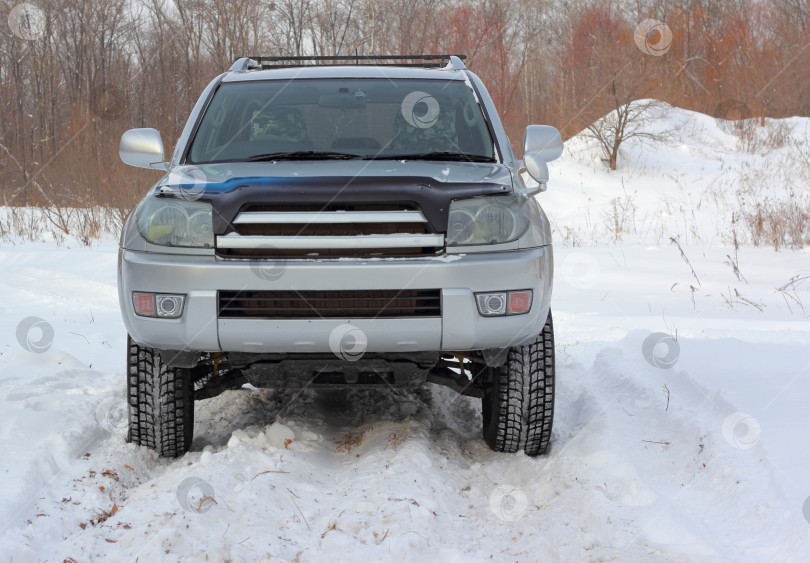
x=372, y=475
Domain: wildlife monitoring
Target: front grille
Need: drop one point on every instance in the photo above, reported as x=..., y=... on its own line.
x=359, y=304
x=311, y=228
x=334, y=230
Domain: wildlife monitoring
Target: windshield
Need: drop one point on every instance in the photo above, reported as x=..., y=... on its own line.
x=342, y=119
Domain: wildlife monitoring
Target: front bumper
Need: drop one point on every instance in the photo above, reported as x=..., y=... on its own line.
x=458, y=276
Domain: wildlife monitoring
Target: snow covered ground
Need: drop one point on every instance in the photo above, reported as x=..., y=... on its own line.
x=680, y=429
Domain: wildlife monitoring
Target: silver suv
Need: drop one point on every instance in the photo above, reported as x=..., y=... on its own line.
x=326, y=221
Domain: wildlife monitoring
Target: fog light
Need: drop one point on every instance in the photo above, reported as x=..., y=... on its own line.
x=491, y=304
x=520, y=302
x=500, y=303
x=169, y=306
x=157, y=305
x=144, y=304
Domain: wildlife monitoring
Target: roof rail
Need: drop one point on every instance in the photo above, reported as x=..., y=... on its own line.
x=446, y=62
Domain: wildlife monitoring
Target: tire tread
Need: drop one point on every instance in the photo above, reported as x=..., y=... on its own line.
x=521, y=397
x=161, y=403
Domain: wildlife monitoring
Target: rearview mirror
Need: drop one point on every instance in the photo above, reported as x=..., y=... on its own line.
x=342, y=101
x=143, y=148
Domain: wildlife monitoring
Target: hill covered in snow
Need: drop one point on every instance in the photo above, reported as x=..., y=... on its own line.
x=701, y=180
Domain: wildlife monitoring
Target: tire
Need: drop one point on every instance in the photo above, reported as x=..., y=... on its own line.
x=161, y=402
x=518, y=403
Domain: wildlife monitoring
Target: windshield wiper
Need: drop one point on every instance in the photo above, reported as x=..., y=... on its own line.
x=303, y=155
x=454, y=156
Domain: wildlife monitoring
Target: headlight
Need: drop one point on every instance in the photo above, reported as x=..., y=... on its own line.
x=486, y=220
x=461, y=225
x=176, y=222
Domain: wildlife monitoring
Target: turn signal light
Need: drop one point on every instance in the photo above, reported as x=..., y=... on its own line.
x=520, y=302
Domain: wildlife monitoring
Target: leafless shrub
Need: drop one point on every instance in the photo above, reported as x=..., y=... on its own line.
x=90, y=225
x=26, y=223
x=85, y=224
x=60, y=217
x=570, y=237
x=620, y=216
x=115, y=217
x=759, y=139
x=5, y=229
x=781, y=224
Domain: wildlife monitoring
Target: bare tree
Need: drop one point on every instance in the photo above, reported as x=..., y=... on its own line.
x=629, y=120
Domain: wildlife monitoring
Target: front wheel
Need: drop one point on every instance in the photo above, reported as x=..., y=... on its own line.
x=518, y=403
x=161, y=402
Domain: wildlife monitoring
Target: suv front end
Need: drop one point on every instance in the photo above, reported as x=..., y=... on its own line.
x=341, y=226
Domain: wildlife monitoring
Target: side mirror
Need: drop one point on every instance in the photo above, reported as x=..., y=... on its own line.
x=544, y=141
x=537, y=168
x=143, y=148
x=541, y=144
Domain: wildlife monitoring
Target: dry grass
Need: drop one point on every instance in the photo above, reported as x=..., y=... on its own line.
x=349, y=442
x=396, y=439
x=620, y=216
x=60, y=224
x=756, y=137
x=780, y=224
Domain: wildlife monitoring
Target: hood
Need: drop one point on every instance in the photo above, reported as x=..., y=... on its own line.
x=429, y=185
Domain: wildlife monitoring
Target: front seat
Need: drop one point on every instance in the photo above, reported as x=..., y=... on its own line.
x=439, y=136
x=279, y=124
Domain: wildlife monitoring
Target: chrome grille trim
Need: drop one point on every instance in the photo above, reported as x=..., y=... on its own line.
x=327, y=217
x=349, y=242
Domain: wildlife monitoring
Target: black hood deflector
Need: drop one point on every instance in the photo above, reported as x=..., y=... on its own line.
x=433, y=198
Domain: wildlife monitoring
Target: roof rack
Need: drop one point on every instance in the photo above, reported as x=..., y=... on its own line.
x=447, y=62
